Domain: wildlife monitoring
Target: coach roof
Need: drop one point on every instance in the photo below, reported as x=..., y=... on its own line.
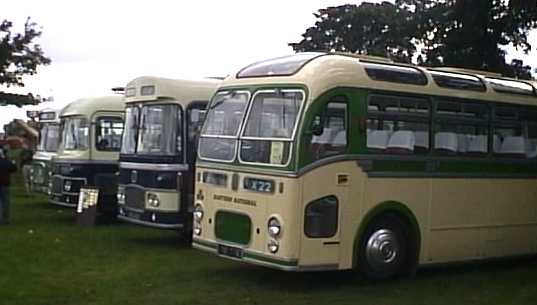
x=88, y=106
x=184, y=91
x=323, y=71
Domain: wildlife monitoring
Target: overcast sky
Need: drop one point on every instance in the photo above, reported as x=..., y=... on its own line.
x=96, y=45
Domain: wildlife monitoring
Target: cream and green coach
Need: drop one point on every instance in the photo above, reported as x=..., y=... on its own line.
x=330, y=161
x=49, y=140
x=91, y=130
x=156, y=163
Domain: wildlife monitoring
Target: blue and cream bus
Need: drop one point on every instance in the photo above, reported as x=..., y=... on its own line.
x=156, y=162
x=91, y=130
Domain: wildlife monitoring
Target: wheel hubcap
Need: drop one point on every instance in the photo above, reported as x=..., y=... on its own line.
x=382, y=249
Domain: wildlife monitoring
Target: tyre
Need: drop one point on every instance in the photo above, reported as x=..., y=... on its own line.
x=385, y=248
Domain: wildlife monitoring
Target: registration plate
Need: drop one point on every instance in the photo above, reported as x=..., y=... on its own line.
x=230, y=251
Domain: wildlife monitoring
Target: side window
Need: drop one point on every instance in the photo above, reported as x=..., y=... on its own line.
x=461, y=128
x=108, y=133
x=330, y=130
x=515, y=132
x=321, y=217
x=398, y=124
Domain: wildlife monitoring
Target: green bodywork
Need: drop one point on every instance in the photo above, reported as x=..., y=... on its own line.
x=233, y=227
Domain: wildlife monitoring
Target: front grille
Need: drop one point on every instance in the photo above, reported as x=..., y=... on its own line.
x=233, y=227
x=76, y=185
x=135, y=197
x=57, y=185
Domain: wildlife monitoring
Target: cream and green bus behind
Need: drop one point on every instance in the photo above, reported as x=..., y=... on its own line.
x=91, y=130
x=330, y=161
x=47, y=147
x=156, y=162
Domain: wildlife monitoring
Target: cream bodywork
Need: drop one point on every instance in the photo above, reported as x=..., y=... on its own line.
x=168, y=91
x=458, y=219
x=284, y=205
x=91, y=109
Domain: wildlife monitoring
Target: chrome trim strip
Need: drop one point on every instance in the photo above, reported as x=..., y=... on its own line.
x=148, y=189
x=150, y=224
x=244, y=259
x=153, y=166
x=268, y=164
x=234, y=137
x=265, y=264
x=450, y=175
x=83, y=161
x=291, y=139
x=262, y=254
x=487, y=226
x=246, y=170
x=325, y=267
x=247, y=105
x=63, y=204
x=219, y=137
x=364, y=161
x=250, y=104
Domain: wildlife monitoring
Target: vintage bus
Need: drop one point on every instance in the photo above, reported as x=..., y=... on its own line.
x=49, y=140
x=91, y=130
x=330, y=161
x=156, y=162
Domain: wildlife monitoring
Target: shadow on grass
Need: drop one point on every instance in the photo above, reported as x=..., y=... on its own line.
x=169, y=240
x=333, y=280
x=499, y=265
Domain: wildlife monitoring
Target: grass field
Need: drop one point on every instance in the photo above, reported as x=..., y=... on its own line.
x=46, y=259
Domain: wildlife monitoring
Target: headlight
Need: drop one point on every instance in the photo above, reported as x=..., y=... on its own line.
x=153, y=200
x=67, y=186
x=198, y=213
x=274, y=227
x=120, y=197
x=273, y=246
x=197, y=228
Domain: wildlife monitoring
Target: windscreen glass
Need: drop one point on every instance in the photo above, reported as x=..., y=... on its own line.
x=75, y=133
x=49, y=137
x=221, y=128
x=159, y=130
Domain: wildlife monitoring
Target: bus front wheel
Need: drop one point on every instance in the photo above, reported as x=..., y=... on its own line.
x=384, y=250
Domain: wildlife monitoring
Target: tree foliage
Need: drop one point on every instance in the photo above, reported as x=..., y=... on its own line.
x=19, y=56
x=461, y=33
x=372, y=29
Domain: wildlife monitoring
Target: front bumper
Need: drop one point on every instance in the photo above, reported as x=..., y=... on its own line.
x=160, y=220
x=251, y=256
x=60, y=196
x=62, y=203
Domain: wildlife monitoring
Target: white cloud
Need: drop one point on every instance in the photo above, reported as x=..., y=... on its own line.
x=96, y=45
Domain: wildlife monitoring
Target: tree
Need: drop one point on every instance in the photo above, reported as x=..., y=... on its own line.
x=470, y=34
x=371, y=29
x=19, y=56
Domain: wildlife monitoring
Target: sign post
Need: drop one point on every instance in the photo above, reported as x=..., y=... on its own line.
x=86, y=210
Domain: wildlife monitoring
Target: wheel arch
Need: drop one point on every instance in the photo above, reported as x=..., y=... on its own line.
x=383, y=208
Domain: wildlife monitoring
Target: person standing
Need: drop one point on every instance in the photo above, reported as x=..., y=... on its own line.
x=6, y=169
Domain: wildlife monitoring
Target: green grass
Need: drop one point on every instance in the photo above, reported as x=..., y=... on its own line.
x=46, y=259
